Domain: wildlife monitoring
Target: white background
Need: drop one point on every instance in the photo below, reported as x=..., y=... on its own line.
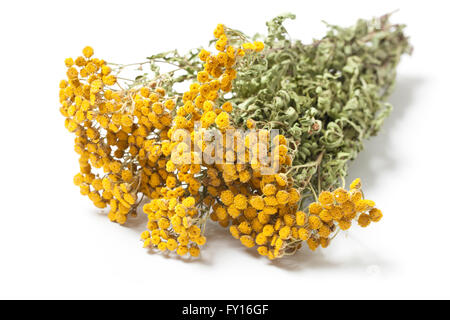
x=55, y=244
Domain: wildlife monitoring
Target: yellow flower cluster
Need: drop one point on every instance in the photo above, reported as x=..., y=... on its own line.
x=176, y=219
x=118, y=135
x=138, y=143
x=335, y=210
x=267, y=217
x=254, y=202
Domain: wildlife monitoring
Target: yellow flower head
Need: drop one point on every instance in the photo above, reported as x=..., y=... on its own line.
x=340, y=195
x=188, y=202
x=222, y=120
x=356, y=184
x=233, y=211
x=303, y=234
x=88, y=52
x=234, y=232
x=325, y=216
x=244, y=227
x=257, y=202
x=203, y=55
x=240, y=201
x=269, y=189
x=259, y=46
x=375, y=214
x=282, y=197
x=364, y=220
x=227, y=197
x=284, y=232
x=227, y=107
x=315, y=222
x=247, y=241
x=300, y=218
x=268, y=230
x=326, y=198
x=315, y=208
x=219, y=31
x=312, y=244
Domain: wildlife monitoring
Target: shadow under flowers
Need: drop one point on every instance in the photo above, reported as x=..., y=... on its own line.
x=220, y=239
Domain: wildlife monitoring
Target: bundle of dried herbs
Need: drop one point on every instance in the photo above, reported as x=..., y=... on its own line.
x=323, y=100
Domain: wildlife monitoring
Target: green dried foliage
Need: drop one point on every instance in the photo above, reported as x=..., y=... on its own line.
x=326, y=97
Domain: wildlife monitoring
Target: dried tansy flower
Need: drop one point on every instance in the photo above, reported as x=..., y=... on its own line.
x=185, y=157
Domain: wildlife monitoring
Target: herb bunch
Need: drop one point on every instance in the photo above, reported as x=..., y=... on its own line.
x=324, y=98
